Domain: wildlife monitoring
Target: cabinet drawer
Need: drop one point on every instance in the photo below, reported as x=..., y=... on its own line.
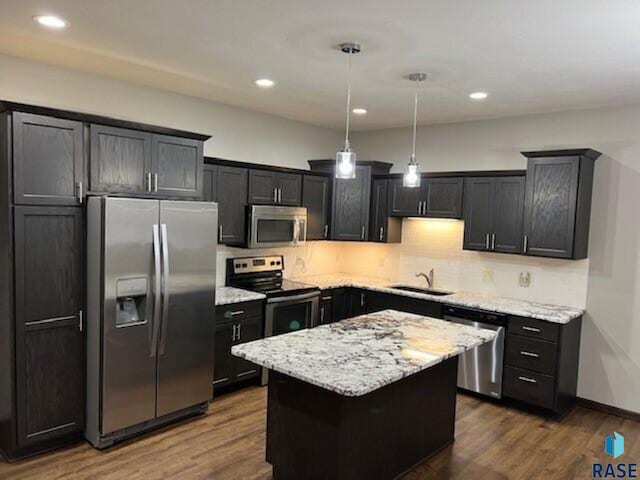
x=530, y=387
x=236, y=312
x=531, y=354
x=530, y=327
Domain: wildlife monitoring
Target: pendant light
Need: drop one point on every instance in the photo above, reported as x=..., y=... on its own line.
x=346, y=158
x=411, y=177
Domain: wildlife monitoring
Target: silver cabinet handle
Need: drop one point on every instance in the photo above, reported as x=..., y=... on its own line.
x=275, y=195
x=233, y=333
x=80, y=193
x=493, y=241
x=420, y=207
x=527, y=379
x=237, y=312
x=279, y=195
x=486, y=242
x=148, y=181
x=362, y=233
x=239, y=330
x=381, y=233
x=362, y=299
x=321, y=314
x=155, y=182
x=530, y=329
x=220, y=380
x=80, y=320
x=328, y=297
x=529, y=354
x=526, y=243
x=248, y=372
x=220, y=232
x=326, y=230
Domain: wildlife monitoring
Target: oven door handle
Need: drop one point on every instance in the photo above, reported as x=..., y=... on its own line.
x=294, y=298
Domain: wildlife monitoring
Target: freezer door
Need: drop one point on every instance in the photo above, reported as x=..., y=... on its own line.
x=185, y=350
x=128, y=355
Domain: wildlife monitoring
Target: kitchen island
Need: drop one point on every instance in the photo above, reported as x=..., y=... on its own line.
x=365, y=398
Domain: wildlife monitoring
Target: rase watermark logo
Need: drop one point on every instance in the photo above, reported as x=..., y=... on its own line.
x=614, y=446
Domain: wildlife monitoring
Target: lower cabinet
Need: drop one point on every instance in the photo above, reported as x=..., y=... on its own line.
x=355, y=302
x=236, y=324
x=326, y=308
x=377, y=301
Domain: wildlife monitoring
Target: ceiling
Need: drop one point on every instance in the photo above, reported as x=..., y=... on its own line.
x=530, y=56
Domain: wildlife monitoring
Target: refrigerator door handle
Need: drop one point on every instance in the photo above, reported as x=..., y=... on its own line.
x=156, y=291
x=165, y=290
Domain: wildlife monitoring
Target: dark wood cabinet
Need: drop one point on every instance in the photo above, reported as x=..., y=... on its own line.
x=210, y=183
x=557, y=204
x=176, y=166
x=338, y=303
x=404, y=201
x=120, y=160
x=49, y=160
x=49, y=300
x=435, y=198
x=356, y=302
x=326, y=308
x=316, y=197
x=493, y=209
x=383, y=228
x=236, y=324
x=268, y=187
x=350, y=214
x=232, y=202
x=377, y=301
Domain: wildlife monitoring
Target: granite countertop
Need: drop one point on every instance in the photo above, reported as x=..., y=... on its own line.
x=362, y=354
x=510, y=306
x=229, y=295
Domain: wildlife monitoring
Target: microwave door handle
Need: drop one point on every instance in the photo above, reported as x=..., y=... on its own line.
x=156, y=292
x=165, y=290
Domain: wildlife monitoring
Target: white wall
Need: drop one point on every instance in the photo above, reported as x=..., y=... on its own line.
x=610, y=350
x=237, y=134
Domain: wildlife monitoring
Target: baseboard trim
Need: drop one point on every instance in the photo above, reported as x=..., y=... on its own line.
x=602, y=407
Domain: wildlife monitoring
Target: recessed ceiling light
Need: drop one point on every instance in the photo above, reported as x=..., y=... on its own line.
x=265, y=83
x=478, y=95
x=50, y=21
x=359, y=111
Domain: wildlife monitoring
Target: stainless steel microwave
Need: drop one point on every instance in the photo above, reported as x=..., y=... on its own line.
x=276, y=226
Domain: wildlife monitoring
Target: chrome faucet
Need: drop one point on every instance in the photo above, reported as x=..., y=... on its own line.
x=428, y=277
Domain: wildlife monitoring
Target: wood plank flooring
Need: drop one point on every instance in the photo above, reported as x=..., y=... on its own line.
x=492, y=442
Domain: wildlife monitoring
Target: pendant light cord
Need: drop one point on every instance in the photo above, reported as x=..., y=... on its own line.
x=415, y=121
x=346, y=135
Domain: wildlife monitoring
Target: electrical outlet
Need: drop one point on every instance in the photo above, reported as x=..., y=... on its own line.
x=525, y=279
x=487, y=275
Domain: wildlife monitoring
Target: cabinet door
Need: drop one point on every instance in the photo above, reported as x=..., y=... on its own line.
x=350, y=219
x=326, y=308
x=379, y=211
x=262, y=187
x=210, y=183
x=176, y=165
x=507, y=217
x=478, y=213
x=120, y=160
x=315, y=197
x=48, y=161
x=232, y=200
x=248, y=330
x=290, y=189
x=356, y=302
x=444, y=197
x=338, y=304
x=550, y=206
x=223, y=361
x=403, y=201
x=49, y=298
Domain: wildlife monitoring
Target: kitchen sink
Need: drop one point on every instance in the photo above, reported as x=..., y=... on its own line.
x=428, y=291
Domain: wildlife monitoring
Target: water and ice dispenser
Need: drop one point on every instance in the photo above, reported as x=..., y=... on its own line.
x=132, y=295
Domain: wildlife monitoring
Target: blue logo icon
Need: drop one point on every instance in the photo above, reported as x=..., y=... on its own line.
x=614, y=445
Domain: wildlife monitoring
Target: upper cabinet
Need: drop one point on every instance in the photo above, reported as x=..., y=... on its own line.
x=268, y=187
x=140, y=163
x=493, y=209
x=435, y=198
x=48, y=161
x=557, y=204
x=232, y=200
x=316, y=197
x=210, y=183
x=176, y=165
x=383, y=228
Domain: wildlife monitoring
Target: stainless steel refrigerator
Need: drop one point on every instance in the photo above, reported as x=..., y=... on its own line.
x=151, y=269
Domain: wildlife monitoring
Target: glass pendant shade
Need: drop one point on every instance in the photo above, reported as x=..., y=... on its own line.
x=411, y=177
x=346, y=164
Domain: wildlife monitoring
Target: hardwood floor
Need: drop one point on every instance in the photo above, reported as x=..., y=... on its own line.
x=492, y=442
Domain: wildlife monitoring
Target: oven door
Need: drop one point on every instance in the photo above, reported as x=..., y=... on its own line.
x=290, y=314
x=276, y=226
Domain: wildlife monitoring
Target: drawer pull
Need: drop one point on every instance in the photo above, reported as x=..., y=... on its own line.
x=237, y=312
x=327, y=298
x=531, y=329
x=221, y=380
x=529, y=354
x=243, y=374
x=527, y=379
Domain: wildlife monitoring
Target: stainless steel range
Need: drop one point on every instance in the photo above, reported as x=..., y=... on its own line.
x=291, y=306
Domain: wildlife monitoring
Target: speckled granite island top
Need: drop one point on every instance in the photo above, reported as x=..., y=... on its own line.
x=492, y=303
x=362, y=354
x=229, y=295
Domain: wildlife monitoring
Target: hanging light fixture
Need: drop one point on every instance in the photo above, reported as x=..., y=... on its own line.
x=411, y=177
x=346, y=158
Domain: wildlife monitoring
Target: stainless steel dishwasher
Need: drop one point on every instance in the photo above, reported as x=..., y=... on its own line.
x=480, y=369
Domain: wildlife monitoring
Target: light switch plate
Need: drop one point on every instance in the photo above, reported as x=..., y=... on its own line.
x=525, y=279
